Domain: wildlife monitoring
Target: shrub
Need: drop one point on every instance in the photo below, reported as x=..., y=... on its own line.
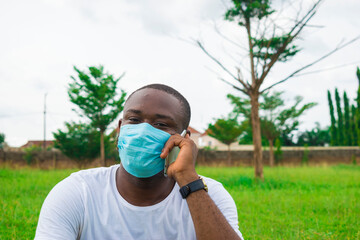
x=305, y=158
x=30, y=153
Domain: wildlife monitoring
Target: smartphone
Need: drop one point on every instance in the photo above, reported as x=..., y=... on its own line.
x=172, y=155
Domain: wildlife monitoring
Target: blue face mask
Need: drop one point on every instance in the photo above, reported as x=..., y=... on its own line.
x=140, y=147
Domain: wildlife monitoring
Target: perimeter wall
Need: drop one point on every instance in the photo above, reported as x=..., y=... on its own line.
x=291, y=156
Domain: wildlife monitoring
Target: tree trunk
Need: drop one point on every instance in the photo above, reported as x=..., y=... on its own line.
x=102, y=148
x=256, y=131
x=229, y=156
x=271, y=153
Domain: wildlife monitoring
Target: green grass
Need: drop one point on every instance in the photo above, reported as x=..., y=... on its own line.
x=292, y=203
x=295, y=203
x=22, y=193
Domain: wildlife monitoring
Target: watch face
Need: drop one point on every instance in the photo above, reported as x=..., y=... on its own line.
x=205, y=186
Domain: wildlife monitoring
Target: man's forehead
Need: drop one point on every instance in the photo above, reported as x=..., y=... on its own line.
x=155, y=97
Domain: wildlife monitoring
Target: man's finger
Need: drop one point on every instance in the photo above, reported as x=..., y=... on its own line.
x=174, y=140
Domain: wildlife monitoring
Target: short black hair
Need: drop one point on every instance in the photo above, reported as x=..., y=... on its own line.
x=184, y=103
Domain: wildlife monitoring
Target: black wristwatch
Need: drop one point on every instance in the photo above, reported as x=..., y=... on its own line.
x=193, y=187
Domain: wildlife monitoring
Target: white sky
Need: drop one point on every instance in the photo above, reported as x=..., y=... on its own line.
x=41, y=40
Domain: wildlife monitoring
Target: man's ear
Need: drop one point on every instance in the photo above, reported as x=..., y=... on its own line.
x=118, y=127
x=188, y=132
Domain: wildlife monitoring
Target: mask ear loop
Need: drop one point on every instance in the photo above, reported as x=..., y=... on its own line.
x=171, y=157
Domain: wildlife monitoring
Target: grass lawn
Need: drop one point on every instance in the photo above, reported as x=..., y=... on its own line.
x=292, y=203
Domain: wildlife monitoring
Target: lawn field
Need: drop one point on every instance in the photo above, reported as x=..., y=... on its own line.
x=292, y=203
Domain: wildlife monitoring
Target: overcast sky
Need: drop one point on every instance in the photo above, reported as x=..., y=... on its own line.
x=41, y=41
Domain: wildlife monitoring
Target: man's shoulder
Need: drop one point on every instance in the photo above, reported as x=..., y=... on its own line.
x=95, y=173
x=211, y=182
x=93, y=177
x=216, y=190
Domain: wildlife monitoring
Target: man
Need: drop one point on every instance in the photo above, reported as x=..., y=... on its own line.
x=135, y=200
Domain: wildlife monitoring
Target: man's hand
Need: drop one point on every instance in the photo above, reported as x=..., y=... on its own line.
x=183, y=169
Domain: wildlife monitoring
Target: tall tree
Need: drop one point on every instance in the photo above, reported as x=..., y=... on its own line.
x=354, y=127
x=270, y=40
x=270, y=131
x=357, y=117
x=348, y=134
x=2, y=140
x=227, y=131
x=95, y=93
x=340, y=126
x=334, y=135
x=277, y=120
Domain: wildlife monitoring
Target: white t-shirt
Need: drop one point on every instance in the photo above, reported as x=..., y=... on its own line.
x=87, y=205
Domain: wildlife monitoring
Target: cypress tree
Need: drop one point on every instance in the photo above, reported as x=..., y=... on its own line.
x=358, y=92
x=357, y=120
x=353, y=126
x=347, y=132
x=340, y=131
x=334, y=137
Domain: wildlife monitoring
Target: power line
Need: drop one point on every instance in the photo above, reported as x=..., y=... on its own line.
x=44, y=143
x=328, y=69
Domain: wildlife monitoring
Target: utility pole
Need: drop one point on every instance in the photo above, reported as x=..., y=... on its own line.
x=44, y=143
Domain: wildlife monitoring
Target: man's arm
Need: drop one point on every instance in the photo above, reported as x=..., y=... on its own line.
x=62, y=212
x=208, y=220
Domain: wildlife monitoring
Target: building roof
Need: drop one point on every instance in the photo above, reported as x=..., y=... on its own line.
x=37, y=143
x=193, y=130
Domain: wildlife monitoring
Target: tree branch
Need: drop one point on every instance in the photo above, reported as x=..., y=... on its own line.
x=301, y=24
x=240, y=79
x=224, y=68
x=215, y=60
x=312, y=63
x=232, y=85
x=217, y=30
x=328, y=69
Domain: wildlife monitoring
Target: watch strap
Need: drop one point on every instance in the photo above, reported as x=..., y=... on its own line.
x=193, y=187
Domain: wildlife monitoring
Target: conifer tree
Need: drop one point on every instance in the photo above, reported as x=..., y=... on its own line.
x=340, y=119
x=348, y=135
x=334, y=136
x=354, y=127
x=357, y=121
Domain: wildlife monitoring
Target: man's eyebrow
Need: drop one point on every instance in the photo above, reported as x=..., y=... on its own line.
x=165, y=117
x=162, y=116
x=133, y=111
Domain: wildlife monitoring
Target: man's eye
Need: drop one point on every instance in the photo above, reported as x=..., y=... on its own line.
x=160, y=125
x=134, y=120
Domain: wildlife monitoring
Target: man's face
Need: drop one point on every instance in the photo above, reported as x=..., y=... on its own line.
x=157, y=108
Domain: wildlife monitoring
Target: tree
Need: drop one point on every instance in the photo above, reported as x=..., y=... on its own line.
x=2, y=145
x=2, y=140
x=340, y=119
x=270, y=131
x=357, y=115
x=353, y=126
x=226, y=130
x=277, y=120
x=269, y=42
x=334, y=138
x=278, y=152
x=348, y=141
x=315, y=137
x=79, y=142
x=95, y=93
